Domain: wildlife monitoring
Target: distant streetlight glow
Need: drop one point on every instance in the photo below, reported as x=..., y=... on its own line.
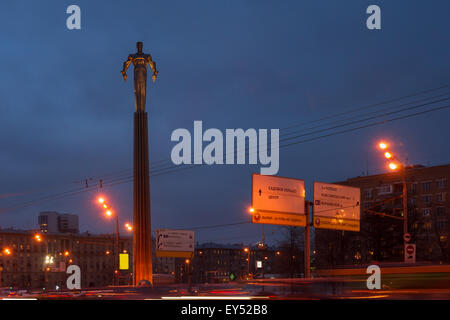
x=38, y=238
x=108, y=213
x=128, y=227
x=7, y=252
x=251, y=210
x=101, y=200
x=382, y=145
x=388, y=155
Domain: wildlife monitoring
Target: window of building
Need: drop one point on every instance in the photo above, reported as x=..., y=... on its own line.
x=427, y=199
x=440, y=183
x=368, y=194
x=440, y=211
x=442, y=225
x=441, y=197
x=412, y=187
x=426, y=186
x=426, y=212
x=386, y=189
x=368, y=204
x=398, y=187
x=412, y=201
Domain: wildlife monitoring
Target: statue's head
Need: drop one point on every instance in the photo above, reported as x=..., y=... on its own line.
x=139, y=46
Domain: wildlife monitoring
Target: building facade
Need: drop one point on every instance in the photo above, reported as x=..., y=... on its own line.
x=381, y=236
x=213, y=263
x=28, y=263
x=54, y=222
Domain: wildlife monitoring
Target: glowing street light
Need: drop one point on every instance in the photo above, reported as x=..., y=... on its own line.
x=38, y=238
x=128, y=227
x=110, y=213
x=251, y=210
x=7, y=252
x=66, y=253
x=393, y=166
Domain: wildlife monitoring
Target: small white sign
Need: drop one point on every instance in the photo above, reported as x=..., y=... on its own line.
x=258, y=264
x=174, y=240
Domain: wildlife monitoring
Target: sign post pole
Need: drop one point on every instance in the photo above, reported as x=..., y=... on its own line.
x=307, y=242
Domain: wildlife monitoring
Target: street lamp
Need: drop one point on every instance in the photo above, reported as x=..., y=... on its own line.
x=38, y=238
x=109, y=213
x=7, y=251
x=394, y=165
x=247, y=250
x=128, y=227
x=382, y=145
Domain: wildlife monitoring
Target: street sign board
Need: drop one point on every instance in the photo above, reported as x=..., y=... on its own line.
x=278, y=200
x=174, y=243
x=336, y=207
x=410, y=253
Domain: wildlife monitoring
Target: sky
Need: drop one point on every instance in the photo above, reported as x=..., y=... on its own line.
x=66, y=114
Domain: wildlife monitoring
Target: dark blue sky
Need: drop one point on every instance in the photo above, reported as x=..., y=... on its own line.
x=66, y=114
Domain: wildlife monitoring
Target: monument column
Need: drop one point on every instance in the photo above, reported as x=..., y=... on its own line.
x=142, y=245
x=142, y=241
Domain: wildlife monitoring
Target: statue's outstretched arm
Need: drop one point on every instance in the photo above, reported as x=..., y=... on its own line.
x=153, y=66
x=126, y=64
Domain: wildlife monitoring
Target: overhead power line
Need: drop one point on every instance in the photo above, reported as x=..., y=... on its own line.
x=124, y=176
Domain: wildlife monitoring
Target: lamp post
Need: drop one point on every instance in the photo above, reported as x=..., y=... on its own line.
x=247, y=250
x=394, y=165
x=110, y=213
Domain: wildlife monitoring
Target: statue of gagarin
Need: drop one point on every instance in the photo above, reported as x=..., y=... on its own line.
x=140, y=61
